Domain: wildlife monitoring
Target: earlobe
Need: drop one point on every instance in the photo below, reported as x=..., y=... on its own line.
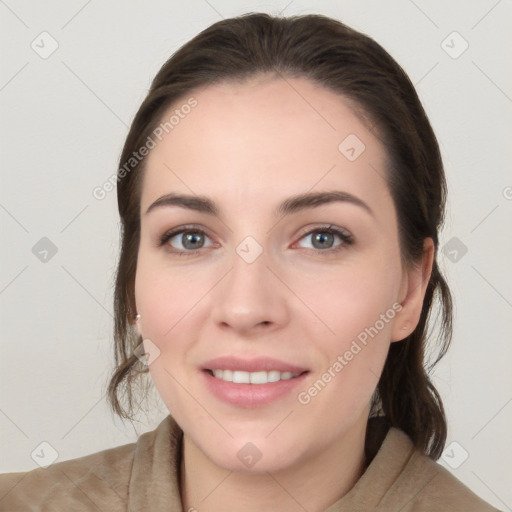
x=136, y=324
x=413, y=290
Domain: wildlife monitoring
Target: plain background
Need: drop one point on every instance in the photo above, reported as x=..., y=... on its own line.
x=64, y=120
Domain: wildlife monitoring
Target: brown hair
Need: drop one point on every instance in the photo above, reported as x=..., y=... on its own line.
x=349, y=63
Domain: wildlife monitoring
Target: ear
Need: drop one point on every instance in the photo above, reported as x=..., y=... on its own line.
x=412, y=292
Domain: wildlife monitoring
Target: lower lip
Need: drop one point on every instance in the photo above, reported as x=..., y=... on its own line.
x=251, y=395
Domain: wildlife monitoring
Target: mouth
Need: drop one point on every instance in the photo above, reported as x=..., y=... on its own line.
x=251, y=383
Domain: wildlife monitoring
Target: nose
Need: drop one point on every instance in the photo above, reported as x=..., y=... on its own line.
x=250, y=299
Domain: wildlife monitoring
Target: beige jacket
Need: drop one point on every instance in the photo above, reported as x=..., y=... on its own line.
x=143, y=477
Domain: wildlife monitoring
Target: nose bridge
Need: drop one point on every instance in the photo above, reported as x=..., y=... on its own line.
x=250, y=294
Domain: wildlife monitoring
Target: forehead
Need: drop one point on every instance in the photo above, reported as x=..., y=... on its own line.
x=265, y=138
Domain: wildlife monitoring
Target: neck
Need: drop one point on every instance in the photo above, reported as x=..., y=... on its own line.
x=313, y=484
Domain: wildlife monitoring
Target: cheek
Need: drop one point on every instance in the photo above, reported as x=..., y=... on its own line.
x=172, y=304
x=165, y=301
x=353, y=356
x=357, y=308
x=164, y=297
x=353, y=298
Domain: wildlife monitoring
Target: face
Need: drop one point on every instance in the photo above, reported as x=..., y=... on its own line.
x=270, y=286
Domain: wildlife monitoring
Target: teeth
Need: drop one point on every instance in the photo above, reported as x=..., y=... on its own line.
x=241, y=377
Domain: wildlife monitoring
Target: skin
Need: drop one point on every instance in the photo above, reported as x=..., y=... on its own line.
x=248, y=147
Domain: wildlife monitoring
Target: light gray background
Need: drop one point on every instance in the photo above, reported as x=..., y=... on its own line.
x=64, y=120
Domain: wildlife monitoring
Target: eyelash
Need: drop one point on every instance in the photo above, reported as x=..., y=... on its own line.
x=345, y=237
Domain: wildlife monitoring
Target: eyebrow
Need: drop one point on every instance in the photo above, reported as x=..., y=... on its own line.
x=290, y=205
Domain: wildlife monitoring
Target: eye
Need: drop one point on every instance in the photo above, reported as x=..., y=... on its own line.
x=187, y=239
x=324, y=238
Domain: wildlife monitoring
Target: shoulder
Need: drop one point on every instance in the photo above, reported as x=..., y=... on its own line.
x=431, y=487
x=96, y=481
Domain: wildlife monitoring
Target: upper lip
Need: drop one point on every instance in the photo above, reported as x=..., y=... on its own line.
x=258, y=364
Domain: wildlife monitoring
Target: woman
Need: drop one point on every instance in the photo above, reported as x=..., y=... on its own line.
x=281, y=192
